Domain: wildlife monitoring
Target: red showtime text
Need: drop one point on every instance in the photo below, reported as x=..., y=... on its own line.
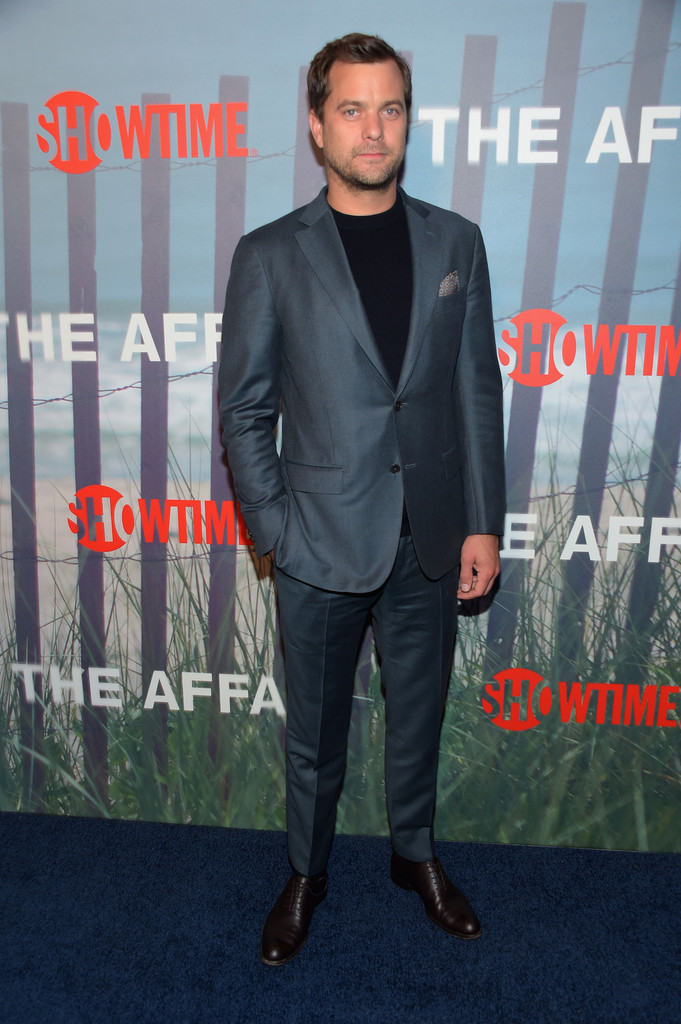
x=518, y=698
x=75, y=134
x=104, y=521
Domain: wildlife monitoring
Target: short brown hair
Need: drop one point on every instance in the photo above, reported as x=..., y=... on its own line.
x=355, y=48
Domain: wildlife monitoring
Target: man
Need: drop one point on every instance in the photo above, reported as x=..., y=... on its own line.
x=367, y=314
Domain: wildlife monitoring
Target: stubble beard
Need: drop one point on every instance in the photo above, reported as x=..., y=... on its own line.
x=366, y=181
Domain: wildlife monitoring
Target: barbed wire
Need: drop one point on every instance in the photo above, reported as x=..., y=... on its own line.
x=589, y=69
x=135, y=385
x=255, y=156
x=207, y=371
x=172, y=555
x=595, y=289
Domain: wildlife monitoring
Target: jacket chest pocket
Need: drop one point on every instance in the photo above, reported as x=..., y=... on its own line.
x=450, y=305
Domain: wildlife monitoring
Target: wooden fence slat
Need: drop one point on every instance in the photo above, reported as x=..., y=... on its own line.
x=648, y=576
x=82, y=238
x=230, y=213
x=650, y=55
x=308, y=170
x=155, y=199
x=18, y=299
x=477, y=89
x=546, y=214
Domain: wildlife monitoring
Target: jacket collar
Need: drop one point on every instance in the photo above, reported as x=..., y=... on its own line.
x=321, y=244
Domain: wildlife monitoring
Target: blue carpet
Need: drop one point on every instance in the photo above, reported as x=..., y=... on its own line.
x=110, y=921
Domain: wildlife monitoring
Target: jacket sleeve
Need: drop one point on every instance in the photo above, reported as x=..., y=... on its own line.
x=249, y=390
x=479, y=399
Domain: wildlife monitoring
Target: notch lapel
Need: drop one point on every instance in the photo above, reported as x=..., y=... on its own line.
x=323, y=249
x=427, y=261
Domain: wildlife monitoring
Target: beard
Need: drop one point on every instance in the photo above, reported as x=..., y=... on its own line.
x=365, y=179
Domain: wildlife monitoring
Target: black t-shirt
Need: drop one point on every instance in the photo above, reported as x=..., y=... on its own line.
x=379, y=255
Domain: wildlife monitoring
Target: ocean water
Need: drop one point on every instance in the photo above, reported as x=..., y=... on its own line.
x=190, y=416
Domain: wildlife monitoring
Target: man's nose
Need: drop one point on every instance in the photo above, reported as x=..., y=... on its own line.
x=373, y=127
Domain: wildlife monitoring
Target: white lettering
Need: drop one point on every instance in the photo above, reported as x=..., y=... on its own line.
x=40, y=336
x=231, y=688
x=189, y=691
x=616, y=537
x=106, y=690
x=172, y=333
x=501, y=135
x=72, y=133
x=581, y=525
x=512, y=520
x=28, y=674
x=138, y=322
x=268, y=685
x=439, y=116
x=70, y=337
x=60, y=686
x=99, y=687
x=212, y=330
x=649, y=131
x=659, y=538
x=527, y=135
x=160, y=692
x=612, y=118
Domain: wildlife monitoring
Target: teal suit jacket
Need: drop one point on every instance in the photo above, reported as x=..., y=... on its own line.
x=354, y=447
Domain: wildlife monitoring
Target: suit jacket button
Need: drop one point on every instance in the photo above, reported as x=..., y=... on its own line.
x=398, y=405
x=394, y=469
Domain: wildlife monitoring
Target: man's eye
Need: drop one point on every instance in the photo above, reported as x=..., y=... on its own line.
x=351, y=112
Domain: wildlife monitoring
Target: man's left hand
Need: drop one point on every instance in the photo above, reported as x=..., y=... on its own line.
x=480, y=565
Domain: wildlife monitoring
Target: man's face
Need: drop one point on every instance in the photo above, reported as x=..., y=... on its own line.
x=364, y=131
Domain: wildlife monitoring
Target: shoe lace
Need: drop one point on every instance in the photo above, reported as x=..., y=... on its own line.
x=296, y=889
x=294, y=893
x=441, y=883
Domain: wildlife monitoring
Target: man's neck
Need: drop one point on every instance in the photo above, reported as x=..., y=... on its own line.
x=360, y=202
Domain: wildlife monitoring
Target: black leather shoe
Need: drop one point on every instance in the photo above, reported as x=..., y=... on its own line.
x=288, y=922
x=446, y=906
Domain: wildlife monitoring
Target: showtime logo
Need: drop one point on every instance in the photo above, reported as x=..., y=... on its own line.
x=518, y=698
x=541, y=350
x=104, y=521
x=75, y=135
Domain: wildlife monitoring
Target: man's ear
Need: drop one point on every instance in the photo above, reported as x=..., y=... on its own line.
x=316, y=129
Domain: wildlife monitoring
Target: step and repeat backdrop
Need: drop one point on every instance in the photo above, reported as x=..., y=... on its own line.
x=141, y=672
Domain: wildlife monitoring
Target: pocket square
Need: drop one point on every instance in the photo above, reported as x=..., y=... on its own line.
x=449, y=284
